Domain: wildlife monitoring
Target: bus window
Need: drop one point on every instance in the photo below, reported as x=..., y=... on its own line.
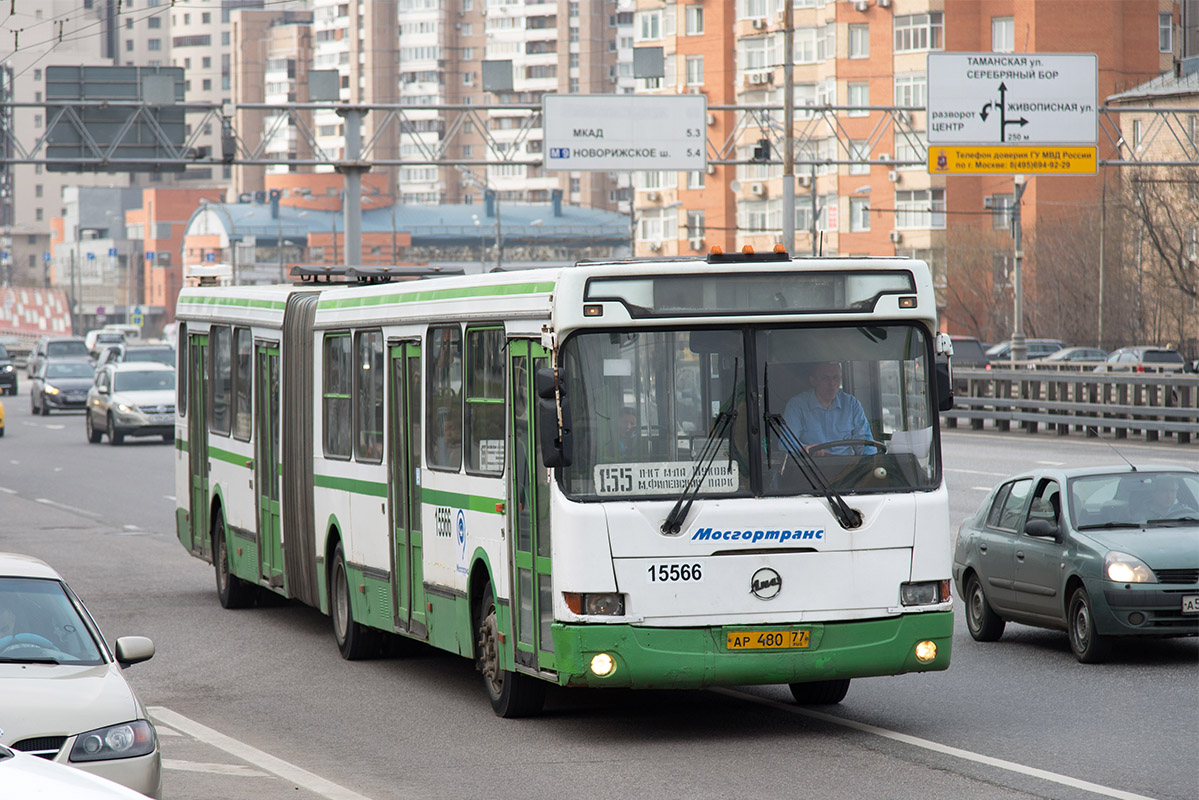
x=368, y=419
x=485, y=400
x=444, y=401
x=243, y=341
x=336, y=395
x=222, y=379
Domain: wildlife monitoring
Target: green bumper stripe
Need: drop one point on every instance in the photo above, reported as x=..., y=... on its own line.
x=470, y=502
x=438, y=294
x=352, y=485
x=181, y=445
x=691, y=658
x=228, y=457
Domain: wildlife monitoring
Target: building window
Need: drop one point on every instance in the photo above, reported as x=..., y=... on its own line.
x=649, y=25
x=154, y=44
x=154, y=22
x=859, y=41
x=1165, y=33
x=695, y=229
x=859, y=214
x=696, y=179
x=1003, y=34
x=695, y=21
x=920, y=209
x=919, y=32
x=336, y=385
x=38, y=190
x=1001, y=211
x=911, y=89
x=695, y=70
x=860, y=151
x=858, y=95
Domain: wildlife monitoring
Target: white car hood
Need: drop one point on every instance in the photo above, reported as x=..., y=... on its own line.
x=60, y=700
x=146, y=397
x=26, y=776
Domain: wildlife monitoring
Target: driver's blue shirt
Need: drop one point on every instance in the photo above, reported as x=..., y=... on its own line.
x=812, y=423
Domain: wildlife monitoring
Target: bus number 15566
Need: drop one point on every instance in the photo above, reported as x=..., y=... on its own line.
x=674, y=573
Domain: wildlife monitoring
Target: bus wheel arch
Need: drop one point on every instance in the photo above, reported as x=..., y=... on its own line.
x=512, y=694
x=354, y=640
x=232, y=591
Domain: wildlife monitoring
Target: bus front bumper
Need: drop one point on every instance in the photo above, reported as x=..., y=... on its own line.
x=691, y=658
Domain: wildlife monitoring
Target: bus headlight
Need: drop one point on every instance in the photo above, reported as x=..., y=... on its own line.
x=603, y=665
x=926, y=651
x=603, y=604
x=924, y=593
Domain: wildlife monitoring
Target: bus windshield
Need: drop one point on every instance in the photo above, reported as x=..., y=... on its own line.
x=646, y=407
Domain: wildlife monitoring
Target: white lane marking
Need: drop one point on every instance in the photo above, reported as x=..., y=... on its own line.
x=213, y=769
x=1051, y=463
x=936, y=747
x=131, y=528
x=973, y=471
x=163, y=730
x=981, y=488
x=66, y=507
x=6, y=490
x=170, y=497
x=277, y=766
x=56, y=427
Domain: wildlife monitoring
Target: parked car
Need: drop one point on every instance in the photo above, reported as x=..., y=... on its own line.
x=1075, y=354
x=131, y=399
x=26, y=776
x=160, y=353
x=60, y=384
x=1100, y=552
x=1143, y=359
x=8, y=373
x=65, y=698
x=72, y=347
x=1037, y=348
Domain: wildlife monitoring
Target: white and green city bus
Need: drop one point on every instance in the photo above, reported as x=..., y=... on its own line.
x=584, y=475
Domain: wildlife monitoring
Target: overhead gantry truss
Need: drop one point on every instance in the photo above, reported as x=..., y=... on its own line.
x=432, y=134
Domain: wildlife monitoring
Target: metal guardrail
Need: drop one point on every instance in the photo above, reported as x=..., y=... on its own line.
x=1155, y=405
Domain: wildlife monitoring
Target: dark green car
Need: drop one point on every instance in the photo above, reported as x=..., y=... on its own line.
x=1099, y=552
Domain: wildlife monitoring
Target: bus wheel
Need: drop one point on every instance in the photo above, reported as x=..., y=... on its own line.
x=512, y=694
x=231, y=590
x=820, y=693
x=355, y=641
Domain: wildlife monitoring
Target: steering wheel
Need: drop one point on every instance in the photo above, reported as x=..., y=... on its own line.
x=814, y=449
x=25, y=640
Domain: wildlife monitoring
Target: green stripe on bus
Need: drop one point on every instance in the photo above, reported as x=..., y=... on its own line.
x=181, y=445
x=352, y=485
x=236, y=302
x=470, y=502
x=438, y=294
x=232, y=458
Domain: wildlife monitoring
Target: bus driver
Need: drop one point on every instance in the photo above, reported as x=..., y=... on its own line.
x=824, y=413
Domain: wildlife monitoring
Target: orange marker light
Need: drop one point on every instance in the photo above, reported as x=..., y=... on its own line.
x=779, y=248
x=748, y=249
x=716, y=250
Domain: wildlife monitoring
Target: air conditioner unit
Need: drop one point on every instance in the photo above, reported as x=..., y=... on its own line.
x=711, y=118
x=653, y=197
x=896, y=237
x=860, y=5
x=711, y=169
x=884, y=3
x=696, y=243
x=755, y=78
x=758, y=189
x=805, y=181
x=893, y=176
x=655, y=246
x=902, y=116
x=988, y=202
x=759, y=24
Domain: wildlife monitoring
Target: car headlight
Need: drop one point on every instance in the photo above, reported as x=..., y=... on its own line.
x=48, y=389
x=8, y=368
x=127, y=740
x=1123, y=568
x=125, y=408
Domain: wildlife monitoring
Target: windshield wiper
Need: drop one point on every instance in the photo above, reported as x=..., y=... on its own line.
x=38, y=660
x=723, y=422
x=1187, y=520
x=1109, y=525
x=848, y=517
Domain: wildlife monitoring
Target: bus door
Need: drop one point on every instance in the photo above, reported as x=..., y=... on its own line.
x=528, y=515
x=197, y=440
x=266, y=463
x=404, y=457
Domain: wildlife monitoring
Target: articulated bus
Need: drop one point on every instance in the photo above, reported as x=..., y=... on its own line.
x=594, y=475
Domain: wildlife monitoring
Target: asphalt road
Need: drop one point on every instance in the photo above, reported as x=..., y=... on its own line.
x=258, y=704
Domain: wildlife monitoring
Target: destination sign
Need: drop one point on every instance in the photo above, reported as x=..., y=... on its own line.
x=1013, y=98
x=610, y=133
x=1005, y=160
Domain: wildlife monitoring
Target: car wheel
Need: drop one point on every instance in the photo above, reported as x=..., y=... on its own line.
x=1089, y=646
x=820, y=693
x=93, y=435
x=512, y=694
x=984, y=624
x=231, y=590
x=355, y=641
x=32, y=404
x=115, y=437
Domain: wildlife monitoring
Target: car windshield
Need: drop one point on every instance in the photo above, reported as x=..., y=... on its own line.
x=68, y=370
x=1132, y=499
x=41, y=620
x=160, y=355
x=66, y=349
x=3, y=352
x=645, y=404
x=143, y=381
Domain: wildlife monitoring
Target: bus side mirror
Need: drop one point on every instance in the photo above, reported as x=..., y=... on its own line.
x=556, y=449
x=944, y=385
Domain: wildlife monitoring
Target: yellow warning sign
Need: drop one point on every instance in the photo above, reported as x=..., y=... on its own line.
x=1005, y=160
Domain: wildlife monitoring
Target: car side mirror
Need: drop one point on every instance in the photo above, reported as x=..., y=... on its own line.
x=132, y=650
x=1043, y=529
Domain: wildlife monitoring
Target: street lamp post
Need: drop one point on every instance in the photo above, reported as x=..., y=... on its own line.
x=1019, y=348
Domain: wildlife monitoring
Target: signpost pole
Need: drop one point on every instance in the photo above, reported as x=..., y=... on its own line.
x=788, y=131
x=1019, y=350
